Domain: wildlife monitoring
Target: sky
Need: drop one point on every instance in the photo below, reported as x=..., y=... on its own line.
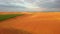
x=29, y=5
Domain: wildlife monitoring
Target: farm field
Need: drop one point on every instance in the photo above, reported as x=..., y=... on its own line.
x=32, y=22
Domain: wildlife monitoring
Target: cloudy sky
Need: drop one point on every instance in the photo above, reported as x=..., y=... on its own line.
x=29, y=5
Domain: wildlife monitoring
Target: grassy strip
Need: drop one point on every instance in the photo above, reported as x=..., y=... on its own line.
x=7, y=16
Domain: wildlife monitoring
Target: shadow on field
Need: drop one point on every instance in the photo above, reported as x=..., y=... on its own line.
x=13, y=31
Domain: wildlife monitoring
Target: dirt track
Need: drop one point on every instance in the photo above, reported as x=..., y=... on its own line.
x=38, y=23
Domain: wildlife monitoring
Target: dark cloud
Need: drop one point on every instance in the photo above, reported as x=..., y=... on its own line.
x=18, y=5
x=50, y=5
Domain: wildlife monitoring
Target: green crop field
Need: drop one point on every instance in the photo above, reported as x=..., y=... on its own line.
x=7, y=16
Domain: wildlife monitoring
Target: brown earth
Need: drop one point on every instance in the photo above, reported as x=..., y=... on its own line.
x=35, y=22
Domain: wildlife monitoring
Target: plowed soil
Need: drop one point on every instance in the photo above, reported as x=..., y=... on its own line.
x=37, y=23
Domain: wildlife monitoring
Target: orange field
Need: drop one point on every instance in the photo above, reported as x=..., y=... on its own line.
x=34, y=22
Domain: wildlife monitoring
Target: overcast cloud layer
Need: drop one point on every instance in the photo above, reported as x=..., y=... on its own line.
x=29, y=5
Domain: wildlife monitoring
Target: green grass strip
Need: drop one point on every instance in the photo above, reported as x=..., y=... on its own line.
x=7, y=16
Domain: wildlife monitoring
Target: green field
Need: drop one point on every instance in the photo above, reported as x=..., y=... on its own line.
x=7, y=16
